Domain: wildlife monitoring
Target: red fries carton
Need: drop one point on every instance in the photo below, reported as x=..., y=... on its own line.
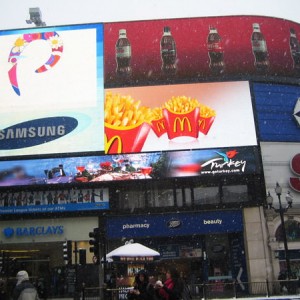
x=127, y=139
x=159, y=126
x=205, y=124
x=182, y=124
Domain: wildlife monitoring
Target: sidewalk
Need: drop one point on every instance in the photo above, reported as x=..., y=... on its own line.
x=284, y=297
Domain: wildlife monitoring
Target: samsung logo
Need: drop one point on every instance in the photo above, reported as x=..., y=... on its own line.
x=31, y=132
x=36, y=132
x=174, y=223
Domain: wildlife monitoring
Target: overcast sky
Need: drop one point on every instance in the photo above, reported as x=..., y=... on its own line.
x=13, y=13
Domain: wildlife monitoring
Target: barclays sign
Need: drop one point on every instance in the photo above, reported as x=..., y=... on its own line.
x=32, y=231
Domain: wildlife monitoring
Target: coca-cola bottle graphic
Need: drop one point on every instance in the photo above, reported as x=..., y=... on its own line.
x=123, y=55
x=259, y=48
x=295, y=49
x=215, y=51
x=168, y=52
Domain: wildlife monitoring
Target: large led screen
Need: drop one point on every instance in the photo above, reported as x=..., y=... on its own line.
x=178, y=116
x=49, y=201
x=200, y=49
x=278, y=112
x=51, y=87
x=79, y=171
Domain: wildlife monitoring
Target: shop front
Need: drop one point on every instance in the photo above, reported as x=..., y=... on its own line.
x=204, y=246
x=278, y=255
x=37, y=246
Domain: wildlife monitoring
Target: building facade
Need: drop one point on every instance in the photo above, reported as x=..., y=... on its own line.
x=209, y=127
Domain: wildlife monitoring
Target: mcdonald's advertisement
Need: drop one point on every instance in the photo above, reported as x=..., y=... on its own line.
x=178, y=117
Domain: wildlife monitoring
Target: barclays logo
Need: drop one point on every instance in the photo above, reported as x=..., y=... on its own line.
x=174, y=223
x=33, y=231
x=36, y=132
x=8, y=232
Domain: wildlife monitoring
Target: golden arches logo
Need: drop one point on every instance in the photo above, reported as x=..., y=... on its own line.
x=160, y=126
x=109, y=143
x=182, y=123
x=202, y=123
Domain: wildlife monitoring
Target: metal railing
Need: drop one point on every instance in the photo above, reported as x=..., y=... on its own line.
x=213, y=290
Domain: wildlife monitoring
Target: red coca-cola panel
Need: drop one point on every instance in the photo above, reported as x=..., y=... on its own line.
x=191, y=40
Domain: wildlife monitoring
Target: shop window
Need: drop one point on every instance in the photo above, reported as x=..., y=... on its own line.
x=235, y=193
x=179, y=197
x=217, y=251
x=206, y=195
x=188, y=196
x=131, y=199
x=292, y=229
x=152, y=197
x=160, y=197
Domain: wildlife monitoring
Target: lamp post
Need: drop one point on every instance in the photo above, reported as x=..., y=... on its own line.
x=281, y=210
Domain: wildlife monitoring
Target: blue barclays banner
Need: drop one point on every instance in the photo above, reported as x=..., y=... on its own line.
x=175, y=224
x=58, y=201
x=278, y=112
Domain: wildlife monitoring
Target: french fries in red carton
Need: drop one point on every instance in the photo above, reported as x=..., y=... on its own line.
x=182, y=114
x=206, y=118
x=127, y=124
x=158, y=123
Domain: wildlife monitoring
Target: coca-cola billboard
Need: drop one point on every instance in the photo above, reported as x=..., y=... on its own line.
x=201, y=49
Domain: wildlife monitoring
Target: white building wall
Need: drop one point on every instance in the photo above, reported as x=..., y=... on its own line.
x=258, y=260
x=276, y=164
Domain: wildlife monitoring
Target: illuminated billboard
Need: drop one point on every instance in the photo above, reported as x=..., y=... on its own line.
x=278, y=112
x=136, y=87
x=79, y=171
x=49, y=201
x=58, y=84
x=178, y=117
x=51, y=87
x=156, y=93
x=200, y=49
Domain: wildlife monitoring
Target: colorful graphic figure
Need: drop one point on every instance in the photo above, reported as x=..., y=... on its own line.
x=228, y=155
x=56, y=46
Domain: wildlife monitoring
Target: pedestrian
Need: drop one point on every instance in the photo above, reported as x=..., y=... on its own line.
x=24, y=289
x=41, y=288
x=3, y=290
x=282, y=278
x=172, y=288
x=142, y=288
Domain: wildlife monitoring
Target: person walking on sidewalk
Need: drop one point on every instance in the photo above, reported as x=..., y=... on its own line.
x=24, y=289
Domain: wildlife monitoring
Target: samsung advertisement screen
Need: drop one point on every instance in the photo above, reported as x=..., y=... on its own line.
x=51, y=86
